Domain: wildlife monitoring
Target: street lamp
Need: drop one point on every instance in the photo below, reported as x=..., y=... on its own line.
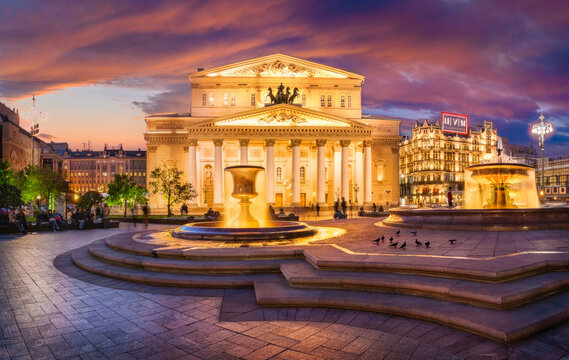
x=34, y=115
x=541, y=129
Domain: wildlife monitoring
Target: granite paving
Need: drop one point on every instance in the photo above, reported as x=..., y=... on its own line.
x=50, y=309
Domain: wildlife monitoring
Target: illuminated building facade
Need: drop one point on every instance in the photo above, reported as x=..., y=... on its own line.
x=556, y=178
x=300, y=120
x=92, y=170
x=432, y=161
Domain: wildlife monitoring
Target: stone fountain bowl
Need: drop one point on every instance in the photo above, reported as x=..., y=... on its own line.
x=500, y=173
x=216, y=231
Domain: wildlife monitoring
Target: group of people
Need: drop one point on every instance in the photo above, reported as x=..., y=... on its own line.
x=17, y=217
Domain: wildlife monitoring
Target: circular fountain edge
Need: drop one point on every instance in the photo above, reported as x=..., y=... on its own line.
x=480, y=219
x=210, y=230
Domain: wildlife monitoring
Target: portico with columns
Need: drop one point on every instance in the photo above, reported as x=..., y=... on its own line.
x=311, y=154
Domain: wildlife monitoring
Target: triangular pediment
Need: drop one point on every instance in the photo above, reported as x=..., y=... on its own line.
x=282, y=116
x=277, y=65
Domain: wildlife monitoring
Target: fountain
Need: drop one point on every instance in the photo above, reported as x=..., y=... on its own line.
x=245, y=215
x=499, y=195
x=501, y=184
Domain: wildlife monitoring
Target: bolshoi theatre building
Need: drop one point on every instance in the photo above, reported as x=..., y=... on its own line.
x=302, y=121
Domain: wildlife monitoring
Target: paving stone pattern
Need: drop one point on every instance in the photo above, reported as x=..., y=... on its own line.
x=58, y=311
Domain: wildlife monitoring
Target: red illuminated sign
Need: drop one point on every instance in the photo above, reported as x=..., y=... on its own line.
x=454, y=123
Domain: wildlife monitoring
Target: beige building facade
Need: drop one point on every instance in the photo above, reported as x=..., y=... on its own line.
x=433, y=161
x=300, y=120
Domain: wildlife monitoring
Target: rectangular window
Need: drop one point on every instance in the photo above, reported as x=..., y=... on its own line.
x=322, y=104
x=343, y=101
x=303, y=100
x=253, y=100
x=225, y=99
x=204, y=99
x=329, y=100
x=211, y=99
x=232, y=99
x=349, y=101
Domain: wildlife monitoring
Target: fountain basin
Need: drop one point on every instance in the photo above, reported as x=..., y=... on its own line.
x=217, y=231
x=480, y=219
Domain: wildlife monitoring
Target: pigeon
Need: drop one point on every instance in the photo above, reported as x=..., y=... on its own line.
x=377, y=240
x=398, y=232
x=427, y=243
x=391, y=239
x=418, y=243
x=414, y=232
x=382, y=238
x=404, y=245
x=451, y=241
x=394, y=244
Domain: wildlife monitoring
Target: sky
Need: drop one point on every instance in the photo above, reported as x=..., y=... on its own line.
x=98, y=67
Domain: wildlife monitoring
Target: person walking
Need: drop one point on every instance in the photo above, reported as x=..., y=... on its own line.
x=317, y=209
x=344, y=205
x=449, y=197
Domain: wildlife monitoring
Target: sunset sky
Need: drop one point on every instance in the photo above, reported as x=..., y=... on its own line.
x=97, y=67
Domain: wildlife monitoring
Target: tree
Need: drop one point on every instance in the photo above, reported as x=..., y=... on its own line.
x=90, y=199
x=38, y=184
x=124, y=191
x=168, y=182
x=7, y=175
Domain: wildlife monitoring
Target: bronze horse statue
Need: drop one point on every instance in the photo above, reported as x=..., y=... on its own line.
x=272, y=97
x=293, y=96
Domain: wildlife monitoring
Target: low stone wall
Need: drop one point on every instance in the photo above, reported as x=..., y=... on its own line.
x=480, y=219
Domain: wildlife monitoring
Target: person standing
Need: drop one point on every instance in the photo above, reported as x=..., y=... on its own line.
x=344, y=205
x=449, y=197
x=317, y=209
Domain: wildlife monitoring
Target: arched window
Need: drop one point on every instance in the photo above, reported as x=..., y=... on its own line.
x=322, y=101
x=204, y=99
x=302, y=174
x=279, y=172
x=233, y=99
x=329, y=100
x=225, y=99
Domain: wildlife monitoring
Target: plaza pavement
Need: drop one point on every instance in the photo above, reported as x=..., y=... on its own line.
x=60, y=311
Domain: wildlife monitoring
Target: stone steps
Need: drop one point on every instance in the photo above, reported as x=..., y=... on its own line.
x=101, y=251
x=124, y=243
x=495, y=269
x=82, y=258
x=491, y=295
x=499, y=325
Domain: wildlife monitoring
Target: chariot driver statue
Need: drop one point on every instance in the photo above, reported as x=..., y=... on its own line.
x=281, y=97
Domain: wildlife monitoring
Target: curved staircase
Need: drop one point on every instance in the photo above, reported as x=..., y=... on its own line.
x=503, y=298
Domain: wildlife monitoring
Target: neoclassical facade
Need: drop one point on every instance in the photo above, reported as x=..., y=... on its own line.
x=300, y=120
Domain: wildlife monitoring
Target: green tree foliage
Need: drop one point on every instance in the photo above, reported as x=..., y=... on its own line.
x=7, y=175
x=40, y=184
x=124, y=191
x=10, y=195
x=90, y=199
x=168, y=182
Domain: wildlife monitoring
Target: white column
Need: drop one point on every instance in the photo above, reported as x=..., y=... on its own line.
x=367, y=172
x=320, y=175
x=345, y=174
x=358, y=187
x=244, y=159
x=295, y=171
x=192, y=174
x=270, y=170
x=218, y=173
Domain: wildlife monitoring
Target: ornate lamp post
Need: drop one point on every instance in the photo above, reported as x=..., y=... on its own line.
x=205, y=195
x=541, y=129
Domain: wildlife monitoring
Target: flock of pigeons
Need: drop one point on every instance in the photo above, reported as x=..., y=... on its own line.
x=394, y=245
